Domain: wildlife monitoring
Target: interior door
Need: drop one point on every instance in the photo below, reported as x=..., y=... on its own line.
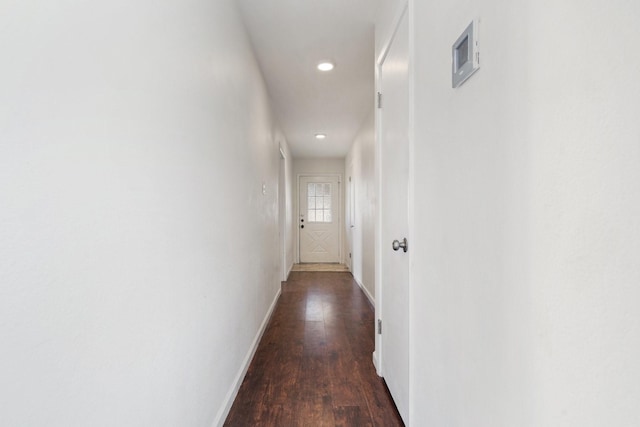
x=319, y=220
x=394, y=162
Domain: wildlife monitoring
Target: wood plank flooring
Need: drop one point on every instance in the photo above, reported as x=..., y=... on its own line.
x=313, y=365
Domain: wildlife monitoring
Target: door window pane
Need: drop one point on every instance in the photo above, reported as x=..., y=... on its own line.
x=319, y=202
x=327, y=202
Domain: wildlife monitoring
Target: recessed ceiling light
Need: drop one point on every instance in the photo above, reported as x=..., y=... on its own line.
x=325, y=66
x=320, y=136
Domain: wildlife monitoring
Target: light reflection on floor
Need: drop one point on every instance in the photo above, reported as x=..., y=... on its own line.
x=320, y=267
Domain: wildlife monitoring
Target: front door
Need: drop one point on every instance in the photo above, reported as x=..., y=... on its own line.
x=394, y=219
x=319, y=220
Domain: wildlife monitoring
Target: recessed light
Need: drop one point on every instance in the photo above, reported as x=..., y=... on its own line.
x=320, y=136
x=325, y=66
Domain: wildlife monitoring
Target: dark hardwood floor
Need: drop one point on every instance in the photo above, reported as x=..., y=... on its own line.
x=313, y=365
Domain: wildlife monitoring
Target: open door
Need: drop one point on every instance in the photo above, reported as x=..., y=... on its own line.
x=393, y=309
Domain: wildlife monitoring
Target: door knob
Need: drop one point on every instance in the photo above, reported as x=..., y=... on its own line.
x=397, y=245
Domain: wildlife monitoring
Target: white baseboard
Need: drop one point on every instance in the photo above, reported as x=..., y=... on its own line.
x=366, y=292
x=233, y=392
x=375, y=363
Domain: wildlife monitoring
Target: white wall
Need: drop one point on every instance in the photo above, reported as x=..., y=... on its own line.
x=527, y=197
x=136, y=246
x=361, y=167
x=318, y=166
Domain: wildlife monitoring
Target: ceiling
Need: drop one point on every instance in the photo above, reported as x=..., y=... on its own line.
x=290, y=38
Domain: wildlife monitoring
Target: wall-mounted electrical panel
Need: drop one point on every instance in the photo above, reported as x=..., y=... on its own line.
x=465, y=57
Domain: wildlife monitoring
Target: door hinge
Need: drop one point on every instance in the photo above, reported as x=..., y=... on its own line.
x=379, y=326
x=379, y=100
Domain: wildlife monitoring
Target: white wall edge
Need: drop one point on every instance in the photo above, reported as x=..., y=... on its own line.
x=233, y=392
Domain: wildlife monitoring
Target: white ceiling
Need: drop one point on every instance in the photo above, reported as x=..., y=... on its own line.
x=290, y=38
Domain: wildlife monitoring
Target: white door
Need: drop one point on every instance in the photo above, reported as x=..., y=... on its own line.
x=319, y=220
x=394, y=163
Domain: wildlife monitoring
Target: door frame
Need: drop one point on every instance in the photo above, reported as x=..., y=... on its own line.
x=350, y=215
x=405, y=7
x=282, y=212
x=339, y=210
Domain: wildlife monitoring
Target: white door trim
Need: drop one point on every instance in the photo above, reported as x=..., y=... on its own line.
x=282, y=212
x=339, y=210
x=411, y=203
x=349, y=220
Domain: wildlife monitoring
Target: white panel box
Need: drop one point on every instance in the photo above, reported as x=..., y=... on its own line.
x=465, y=57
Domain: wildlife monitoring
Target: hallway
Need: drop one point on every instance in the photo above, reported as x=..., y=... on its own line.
x=313, y=365
x=153, y=162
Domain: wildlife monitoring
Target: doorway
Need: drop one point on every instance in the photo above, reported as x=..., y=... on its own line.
x=319, y=219
x=392, y=307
